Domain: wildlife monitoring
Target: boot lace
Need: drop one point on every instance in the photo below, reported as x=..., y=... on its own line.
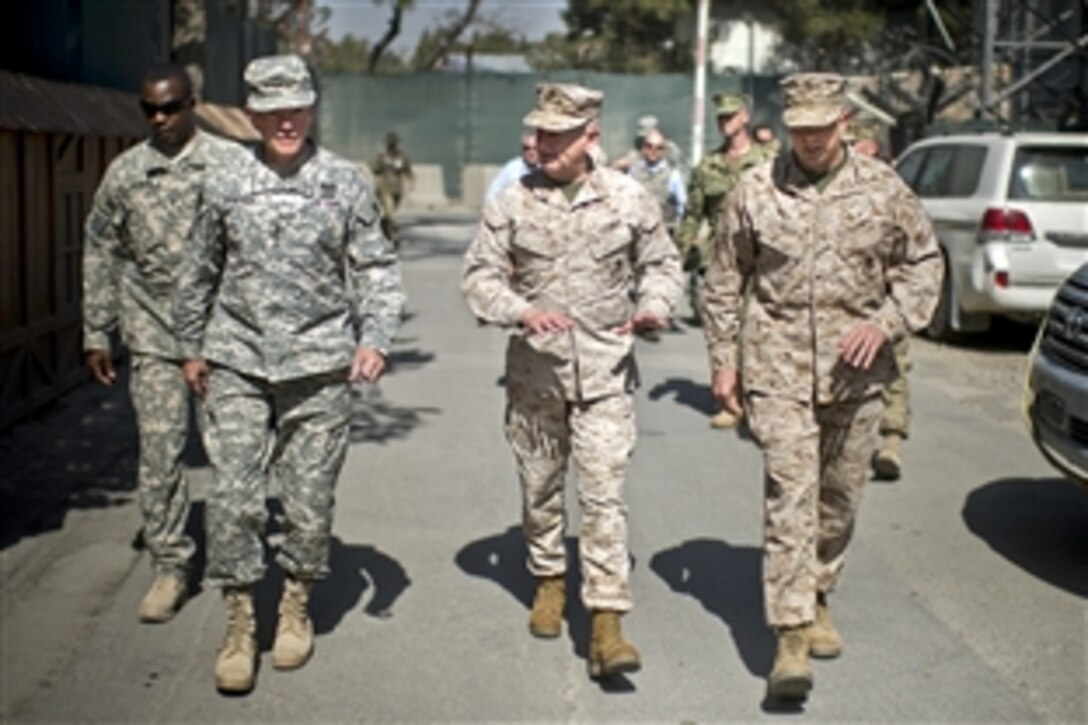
x=293, y=615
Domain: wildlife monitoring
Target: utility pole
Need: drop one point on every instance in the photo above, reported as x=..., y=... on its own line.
x=698, y=106
x=989, y=35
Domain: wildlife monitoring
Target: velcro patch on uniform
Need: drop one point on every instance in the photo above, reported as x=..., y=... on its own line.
x=328, y=190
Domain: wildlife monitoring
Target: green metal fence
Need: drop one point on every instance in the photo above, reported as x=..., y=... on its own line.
x=459, y=119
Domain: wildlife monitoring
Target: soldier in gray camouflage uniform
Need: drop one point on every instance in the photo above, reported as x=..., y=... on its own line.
x=290, y=291
x=555, y=260
x=134, y=243
x=839, y=261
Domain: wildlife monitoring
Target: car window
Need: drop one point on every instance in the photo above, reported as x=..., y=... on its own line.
x=935, y=179
x=909, y=165
x=966, y=171
x=1050, y=173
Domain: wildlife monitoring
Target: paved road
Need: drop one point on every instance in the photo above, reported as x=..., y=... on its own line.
x=964, y=598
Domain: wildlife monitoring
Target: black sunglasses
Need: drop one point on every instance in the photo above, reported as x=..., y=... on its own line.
x=167, y=109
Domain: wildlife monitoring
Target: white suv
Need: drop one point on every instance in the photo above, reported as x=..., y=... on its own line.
x=1011, y=213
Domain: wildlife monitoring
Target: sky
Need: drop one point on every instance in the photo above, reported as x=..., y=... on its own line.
x=366, y=19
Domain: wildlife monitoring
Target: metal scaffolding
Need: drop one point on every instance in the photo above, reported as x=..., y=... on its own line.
x=1033, y=59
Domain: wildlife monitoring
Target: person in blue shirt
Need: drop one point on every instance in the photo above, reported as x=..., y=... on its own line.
x=516, y=167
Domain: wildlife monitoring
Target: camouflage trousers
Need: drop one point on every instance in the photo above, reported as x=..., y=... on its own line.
x=389, y=201
x=896, y=395
x=816, y=462
x=299, y=430
x=160, y=398
x=545, y=432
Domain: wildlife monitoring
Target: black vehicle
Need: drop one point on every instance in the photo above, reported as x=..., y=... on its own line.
x=1057, y=392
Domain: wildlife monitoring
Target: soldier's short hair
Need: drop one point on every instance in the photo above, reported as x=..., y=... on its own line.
x=169, y=72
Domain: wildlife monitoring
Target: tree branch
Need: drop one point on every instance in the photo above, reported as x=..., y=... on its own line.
x=390, y=35
x=450, y=36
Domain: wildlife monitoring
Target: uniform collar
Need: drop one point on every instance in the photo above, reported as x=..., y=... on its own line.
x=191, y=156
x=790, y=176
x=550, y=192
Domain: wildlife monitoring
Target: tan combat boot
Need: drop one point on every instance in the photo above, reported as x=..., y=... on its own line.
x=294, y=631
x=164, y=598
x=887, y=465
x=235, y=664
x=824, y=640
x=546, y=619
x=609, y=652
x=791, y=675
x=723, y=419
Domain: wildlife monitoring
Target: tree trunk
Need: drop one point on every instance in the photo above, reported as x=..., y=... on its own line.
x=390, y=35
x=450, y=36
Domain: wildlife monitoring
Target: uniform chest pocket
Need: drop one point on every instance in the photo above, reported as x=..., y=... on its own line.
x=533, y=242
x=863, y=244
x=327, y=220
x=779, y=261
x=610, y=247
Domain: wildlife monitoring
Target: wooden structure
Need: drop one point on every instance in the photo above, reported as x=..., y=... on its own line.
x=56, y=140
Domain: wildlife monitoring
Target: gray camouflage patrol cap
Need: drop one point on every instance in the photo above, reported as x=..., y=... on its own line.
x=564, y=106
x=279, y=83
x=727, y=103
x=812, y=99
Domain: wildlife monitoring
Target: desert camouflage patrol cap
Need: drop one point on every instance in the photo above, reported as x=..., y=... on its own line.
x=727, y=103
x=812, y=99
x=564, y=106
x=278, y=83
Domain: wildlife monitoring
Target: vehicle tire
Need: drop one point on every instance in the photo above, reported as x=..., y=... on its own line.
x=940, y=325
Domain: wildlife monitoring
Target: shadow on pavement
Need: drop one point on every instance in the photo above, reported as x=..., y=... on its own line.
x=374, y=420
x=80, y=452
x=358, y=572
x=501, y=558
x=1041, y=525
x=726, y=580
x=686, y=392
x=1004, y=335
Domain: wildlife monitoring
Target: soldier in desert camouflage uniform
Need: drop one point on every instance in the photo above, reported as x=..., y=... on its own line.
x=714, y=177
x=838, y=260
x=864, y=137
x=393, y=173
x=135, y=240
x=290, y=291
x=555, y=259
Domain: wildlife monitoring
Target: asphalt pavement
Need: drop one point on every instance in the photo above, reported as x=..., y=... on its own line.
x=963, y=597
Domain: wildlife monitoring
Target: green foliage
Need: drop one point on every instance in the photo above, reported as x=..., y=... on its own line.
x=630, y=36
x=850, y=35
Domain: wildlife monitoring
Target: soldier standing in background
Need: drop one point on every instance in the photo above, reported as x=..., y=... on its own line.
x=136, y=236
x=672, y=154
x=763, y=134
x=660, y=178
x=393, y=172
x=713, y=179
x=290, y=292
x=837, y=259
x=556, y=258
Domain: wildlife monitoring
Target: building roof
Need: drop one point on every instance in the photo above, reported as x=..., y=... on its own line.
x=29, y=103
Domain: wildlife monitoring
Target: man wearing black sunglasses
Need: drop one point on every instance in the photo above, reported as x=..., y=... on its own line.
x=135, y=235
